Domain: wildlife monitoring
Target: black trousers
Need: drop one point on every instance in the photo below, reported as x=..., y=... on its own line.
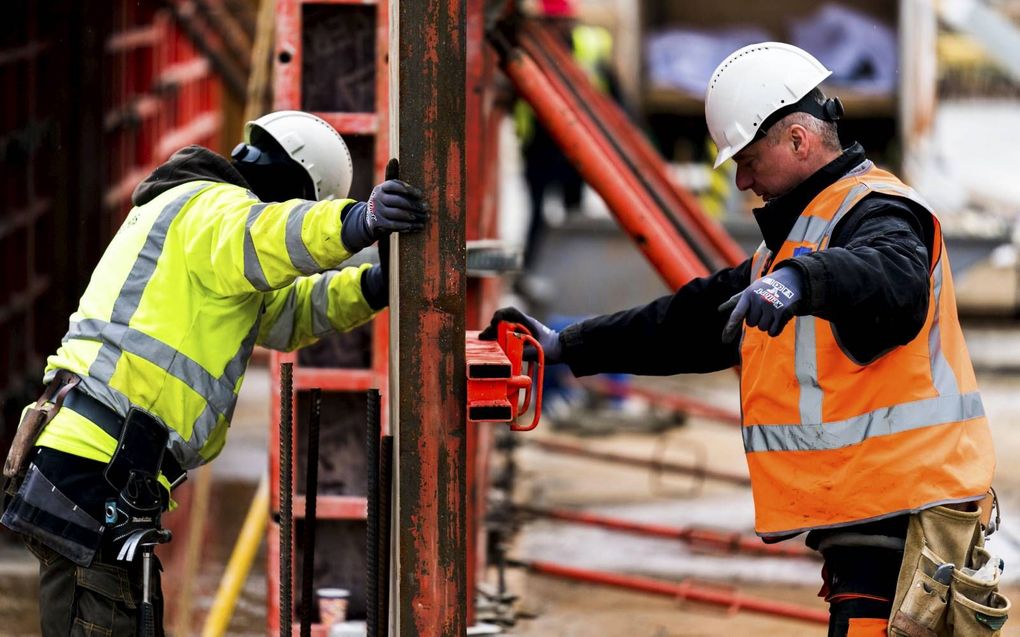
x=101, y=600
x=860, y=582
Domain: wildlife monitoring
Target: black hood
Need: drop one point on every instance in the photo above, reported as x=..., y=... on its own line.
x=191, y=163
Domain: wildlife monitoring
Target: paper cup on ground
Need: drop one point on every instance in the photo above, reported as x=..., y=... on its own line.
x=332, y=605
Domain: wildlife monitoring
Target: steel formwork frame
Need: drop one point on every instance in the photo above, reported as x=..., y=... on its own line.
x=288, y=58
x=479, y=126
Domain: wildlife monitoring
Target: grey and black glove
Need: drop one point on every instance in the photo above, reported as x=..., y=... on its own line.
x=393, y=206
x=375, y=281
x=547, y=337
x=768, y=304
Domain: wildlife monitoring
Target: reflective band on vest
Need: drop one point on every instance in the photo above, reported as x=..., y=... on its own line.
x=831, y=441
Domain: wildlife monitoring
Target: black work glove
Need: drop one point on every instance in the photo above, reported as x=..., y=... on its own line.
x=768, y=304
x=393, y=206
x=375, y=281
x=548, y=338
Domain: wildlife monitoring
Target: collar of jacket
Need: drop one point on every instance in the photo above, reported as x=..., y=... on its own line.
x=776, y=218
x=191, y=163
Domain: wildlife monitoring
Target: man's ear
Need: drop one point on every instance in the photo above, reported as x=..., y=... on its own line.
x=798, y=139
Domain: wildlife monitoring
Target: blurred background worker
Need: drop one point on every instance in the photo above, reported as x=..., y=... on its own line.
x=216, y=256
x=545, y=166
x=862, y=422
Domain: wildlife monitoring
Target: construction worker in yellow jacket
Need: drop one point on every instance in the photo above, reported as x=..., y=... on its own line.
x=862, y=421
x=216, y=256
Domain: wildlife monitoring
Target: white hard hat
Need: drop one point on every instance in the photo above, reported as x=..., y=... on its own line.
x=753, y=83
x=314, y=145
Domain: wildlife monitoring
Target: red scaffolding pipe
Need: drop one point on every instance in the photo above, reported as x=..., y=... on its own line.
x=591, y=153
x=669, y=400
x=733, y=600
x=695, y=536
x=703, y=233
x=557, y=446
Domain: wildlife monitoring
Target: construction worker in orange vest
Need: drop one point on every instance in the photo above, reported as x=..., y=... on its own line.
x=862, y=421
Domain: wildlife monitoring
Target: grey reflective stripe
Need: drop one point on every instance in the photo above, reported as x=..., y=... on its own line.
x=216, y=391
x=942, y=375
x=807, y=230
x=252, y=268
x=860, y=168
x=761, y=255
x=848, y=202
x=131, y=292
x=806, y=369
x=903, y=191
x=880, y=422
x=279, y=334
x=235, y=368
x=320, y=304
x=300, y=257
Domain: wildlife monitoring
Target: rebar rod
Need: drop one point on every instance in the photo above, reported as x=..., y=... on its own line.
x=286, y=493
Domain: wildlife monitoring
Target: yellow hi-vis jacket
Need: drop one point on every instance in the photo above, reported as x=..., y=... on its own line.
x=192, y=281
x=832, y=442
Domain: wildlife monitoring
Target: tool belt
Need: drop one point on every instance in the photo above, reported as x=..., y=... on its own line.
x=113, y=424
x=38, y=509
x=948, y=582
x=62, y=392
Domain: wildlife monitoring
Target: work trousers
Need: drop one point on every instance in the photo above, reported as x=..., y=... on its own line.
x=101, y=600
x=860, y=585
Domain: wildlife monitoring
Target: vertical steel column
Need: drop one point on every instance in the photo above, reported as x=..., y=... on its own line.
x=427, y=313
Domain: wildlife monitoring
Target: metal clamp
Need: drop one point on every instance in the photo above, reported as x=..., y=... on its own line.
x=495, y=371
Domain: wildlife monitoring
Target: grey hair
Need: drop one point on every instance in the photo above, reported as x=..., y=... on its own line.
x=826, y=131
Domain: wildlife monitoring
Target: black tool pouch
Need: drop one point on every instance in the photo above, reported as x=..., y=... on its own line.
x=39, y=510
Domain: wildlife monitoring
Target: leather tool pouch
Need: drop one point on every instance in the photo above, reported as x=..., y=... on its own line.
x=976, y=607
x=34, y=419
x=40, y=511
x=927, y=607
x=32, y=423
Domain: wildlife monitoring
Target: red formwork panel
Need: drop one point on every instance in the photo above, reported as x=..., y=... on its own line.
x=330, y=58
x=94, y=97
x=162, y=95
x=343, y=78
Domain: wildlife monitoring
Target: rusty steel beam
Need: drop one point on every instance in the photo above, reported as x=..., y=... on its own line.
x=427, y=305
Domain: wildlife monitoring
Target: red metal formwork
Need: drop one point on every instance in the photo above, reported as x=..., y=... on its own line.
x=306, y=61
x=26, y=120
x=162, y=95
x=94, y=97
x=300, y=58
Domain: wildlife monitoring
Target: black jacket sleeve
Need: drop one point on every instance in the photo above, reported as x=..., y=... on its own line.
x=872, y=282
x=673, y=334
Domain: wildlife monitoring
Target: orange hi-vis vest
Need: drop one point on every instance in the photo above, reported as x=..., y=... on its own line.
x=831, y=441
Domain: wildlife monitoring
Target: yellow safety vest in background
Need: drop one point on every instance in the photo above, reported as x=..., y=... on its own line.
x=191, y=282
x=593, y=51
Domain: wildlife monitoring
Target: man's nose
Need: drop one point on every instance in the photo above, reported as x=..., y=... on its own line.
x=743, y=179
